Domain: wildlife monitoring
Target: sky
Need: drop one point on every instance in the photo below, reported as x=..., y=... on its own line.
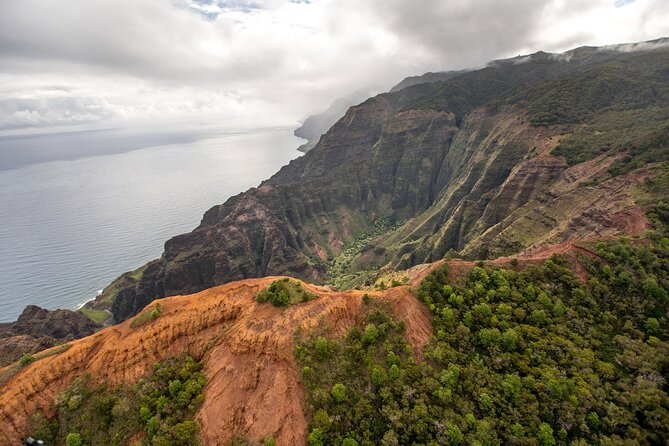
x=68, y=64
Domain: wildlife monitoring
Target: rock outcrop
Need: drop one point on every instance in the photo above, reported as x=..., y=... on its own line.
x=37, y=329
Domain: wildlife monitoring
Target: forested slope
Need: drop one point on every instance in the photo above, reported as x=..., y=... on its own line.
x=524, y=356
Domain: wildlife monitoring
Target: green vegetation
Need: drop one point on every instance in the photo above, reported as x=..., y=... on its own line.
x=161, y=407
x=243, y=441
x=642, y=134
x=618, y=85
x=26, y=359
x=146, y=316
x=393, y=280
x=346, y=380
x=525, y=357
x=97, y=316
x=338, y=268
x=73, y=439
x=284, y=292
x=111, y=291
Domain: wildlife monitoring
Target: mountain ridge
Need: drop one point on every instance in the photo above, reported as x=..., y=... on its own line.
x=433, y=149
x=503, y=237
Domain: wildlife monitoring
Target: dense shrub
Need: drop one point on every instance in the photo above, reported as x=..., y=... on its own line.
x=162, y=406
x=27, y=359
x=284, y=292
x=526, y=357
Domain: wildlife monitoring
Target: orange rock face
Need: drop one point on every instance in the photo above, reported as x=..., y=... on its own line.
x=254, y=387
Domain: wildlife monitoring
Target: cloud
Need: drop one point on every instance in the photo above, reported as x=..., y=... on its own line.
x=620, y=3
x=638, y=46
x=49, y=112
x=269, y=59
x=213, y=8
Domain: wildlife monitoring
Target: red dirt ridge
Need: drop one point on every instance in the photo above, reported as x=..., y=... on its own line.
x=254, y=387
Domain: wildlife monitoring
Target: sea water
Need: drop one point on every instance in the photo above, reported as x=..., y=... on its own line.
x=68, y=227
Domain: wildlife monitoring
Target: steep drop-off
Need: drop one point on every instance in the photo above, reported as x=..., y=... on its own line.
x=473, y=164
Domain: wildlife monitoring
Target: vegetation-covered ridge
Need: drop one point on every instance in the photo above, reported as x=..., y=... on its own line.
x=526, y=357
x=158, y=410
x=284, y=292
x=641, y=135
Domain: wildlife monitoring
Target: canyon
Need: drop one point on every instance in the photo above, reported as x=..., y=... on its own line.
x=512, y=165
x=468, y=166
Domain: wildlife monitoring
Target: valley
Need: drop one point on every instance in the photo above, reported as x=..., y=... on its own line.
x=474, y=257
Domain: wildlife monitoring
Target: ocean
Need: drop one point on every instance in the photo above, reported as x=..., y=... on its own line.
x=71, y=223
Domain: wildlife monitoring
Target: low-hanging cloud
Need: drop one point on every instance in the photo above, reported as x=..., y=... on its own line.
x=275, y=59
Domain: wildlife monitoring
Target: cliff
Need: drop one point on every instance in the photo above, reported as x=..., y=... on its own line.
x=314, y=126
x=37, y=329
x=485, y=163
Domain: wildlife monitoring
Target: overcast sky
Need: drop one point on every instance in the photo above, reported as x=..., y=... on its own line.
x=255, y=62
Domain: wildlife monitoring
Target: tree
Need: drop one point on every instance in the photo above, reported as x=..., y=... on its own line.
x=546, y=435
x=652, y=326
x=315, y=438
x=281, y=299
x=338, y=393
x=73, y=439
x=486, y=404
x=394, y=372
x=453, y=434
x=371, y=333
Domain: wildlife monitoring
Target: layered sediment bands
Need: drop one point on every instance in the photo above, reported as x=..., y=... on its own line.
x=489, y=171
x=253, y=384
x=576, y=213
